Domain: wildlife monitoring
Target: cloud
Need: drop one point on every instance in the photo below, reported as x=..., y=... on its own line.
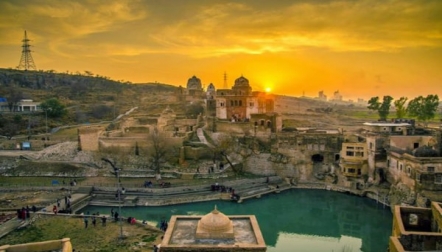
x=215, y=28
x=335, y=25
x=59, y=23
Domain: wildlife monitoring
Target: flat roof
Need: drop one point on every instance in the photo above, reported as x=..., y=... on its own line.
x=386, y=124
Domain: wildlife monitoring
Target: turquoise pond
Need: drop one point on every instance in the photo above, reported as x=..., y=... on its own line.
x=295, y=220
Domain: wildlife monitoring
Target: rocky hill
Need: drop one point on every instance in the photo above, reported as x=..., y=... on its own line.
x=88, y=98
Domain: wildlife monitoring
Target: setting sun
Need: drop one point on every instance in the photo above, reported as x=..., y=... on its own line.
x=268, y=89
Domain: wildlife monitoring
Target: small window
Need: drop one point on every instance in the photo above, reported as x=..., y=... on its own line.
x=351, y=170
x=418, y=177
x=350, y=153
x=413, y=219
x=359, y=172
x=400, y=167
x=371, y=145
x=430, y=169
x=438, y=179
x=416, y=145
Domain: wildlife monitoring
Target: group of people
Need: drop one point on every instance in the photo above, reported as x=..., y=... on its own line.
x=67, y=206
x=212, y=168
x=220, y=188
x=131, y=220
x=94, y=217
x=163, y=225
x=119, y=192
x=25, y=212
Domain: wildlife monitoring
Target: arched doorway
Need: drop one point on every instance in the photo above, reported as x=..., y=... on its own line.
x=317, y=160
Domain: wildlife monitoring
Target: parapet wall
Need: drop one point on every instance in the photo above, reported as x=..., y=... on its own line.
x=63, y=245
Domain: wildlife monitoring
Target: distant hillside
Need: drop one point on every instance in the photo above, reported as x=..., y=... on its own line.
x=88, y=98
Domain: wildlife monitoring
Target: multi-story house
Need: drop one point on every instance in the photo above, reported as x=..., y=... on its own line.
x=354, y=159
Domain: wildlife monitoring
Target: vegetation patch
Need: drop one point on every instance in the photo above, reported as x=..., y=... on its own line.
x=98, y=238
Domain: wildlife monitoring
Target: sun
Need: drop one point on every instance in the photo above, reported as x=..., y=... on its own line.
x=268, y=89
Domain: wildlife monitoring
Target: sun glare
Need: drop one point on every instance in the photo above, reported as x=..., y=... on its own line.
x=268, y=89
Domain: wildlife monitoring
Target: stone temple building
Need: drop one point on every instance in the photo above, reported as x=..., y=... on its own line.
x=213, y=232
x=239, y=103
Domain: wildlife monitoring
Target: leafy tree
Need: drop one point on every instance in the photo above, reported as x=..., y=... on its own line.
x=194, y=109
x=401, y=109
x=423, y=108
x=373, y=103
x=53, y=108
x=383, y=108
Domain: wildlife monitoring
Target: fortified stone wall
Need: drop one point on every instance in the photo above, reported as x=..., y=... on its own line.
x=242, y=128
x=263, y=164
x=130, y=142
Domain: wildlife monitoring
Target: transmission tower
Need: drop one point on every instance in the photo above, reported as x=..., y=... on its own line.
x=26, y=61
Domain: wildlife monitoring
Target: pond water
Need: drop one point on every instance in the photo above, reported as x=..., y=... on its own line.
x=295, y=220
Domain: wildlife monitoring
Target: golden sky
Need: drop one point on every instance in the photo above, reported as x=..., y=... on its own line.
x=362, y=48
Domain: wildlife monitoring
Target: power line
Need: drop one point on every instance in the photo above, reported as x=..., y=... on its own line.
x=26, y=61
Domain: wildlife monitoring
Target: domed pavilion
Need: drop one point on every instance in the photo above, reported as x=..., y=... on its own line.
x=214, y=231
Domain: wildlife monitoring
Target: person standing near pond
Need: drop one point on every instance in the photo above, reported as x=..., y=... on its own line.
x=103, y=221
x=94, y=220
x=85, y=221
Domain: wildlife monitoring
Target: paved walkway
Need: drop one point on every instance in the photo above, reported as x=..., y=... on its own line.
x=202, y=138
x=15, y=222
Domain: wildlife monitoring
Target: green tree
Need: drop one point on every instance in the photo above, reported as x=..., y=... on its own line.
x=383, y=108
x=401, y=109
x=373, y=103
x=53, y=108
x=423, y=108
x=194, y=109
